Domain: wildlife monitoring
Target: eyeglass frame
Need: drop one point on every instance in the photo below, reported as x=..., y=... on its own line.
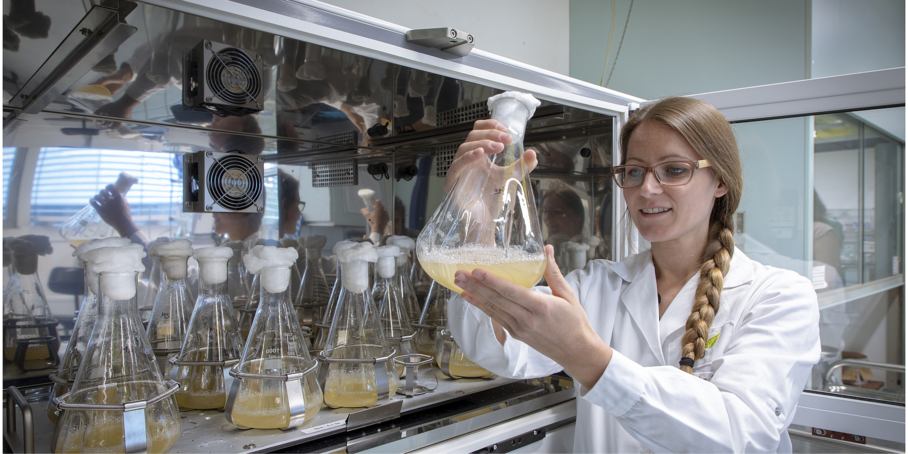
x=699, y=164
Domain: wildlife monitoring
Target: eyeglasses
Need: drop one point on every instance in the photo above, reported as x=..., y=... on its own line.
x=554, y=213
x=674, y=173
x=302, y=206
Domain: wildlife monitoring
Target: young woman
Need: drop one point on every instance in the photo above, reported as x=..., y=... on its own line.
x=689, y=346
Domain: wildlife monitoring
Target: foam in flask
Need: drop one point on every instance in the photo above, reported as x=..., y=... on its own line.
x=323, y=328
x=404, y=267
x=85, y=321
x=313, y=294
x=488, y=219
x=213, y=343
x=87, y=224
x=395, y=321
x=119, y=367
x=29, y=330
x=275, y=383
x=173, y=305
x=365, y=375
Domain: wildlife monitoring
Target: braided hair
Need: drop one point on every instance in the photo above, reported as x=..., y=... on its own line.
x=710, y=135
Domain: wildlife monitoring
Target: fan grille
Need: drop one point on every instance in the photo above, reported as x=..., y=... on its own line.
x=234, y=182
x=232, y=76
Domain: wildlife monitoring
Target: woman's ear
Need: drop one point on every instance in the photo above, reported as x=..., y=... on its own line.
x=721, y=189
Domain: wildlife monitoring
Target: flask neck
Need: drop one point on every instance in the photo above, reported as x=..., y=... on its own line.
x=355, y=276
x=209, y=290
x=174, y=268
x=212, y=272
x=25, y=264
x=313, y=255
x=117, y=293
x=386, y=267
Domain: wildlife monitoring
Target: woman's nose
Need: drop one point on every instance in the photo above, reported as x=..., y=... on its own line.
x=650, y=184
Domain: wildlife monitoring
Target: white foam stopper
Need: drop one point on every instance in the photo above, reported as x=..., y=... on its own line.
x=122, y=263
x=173, y=256
x=406, y=244
x=99, y=243
x=387, y=260
x=513, y=109
x=289, y=242
x=594, y=242
x=276, y=279
x=26, y=250
x=368, y=197
x=124, y=182
x=315, y=242
x=213, y=263
x=576, y=254
x=341, y=245
x=355, y=261
x=273, y=264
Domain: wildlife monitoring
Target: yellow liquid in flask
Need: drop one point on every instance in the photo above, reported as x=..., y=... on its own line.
x=354, y=387
x=106, y=435
x=519, y=267
x=261, y=405
x=32, y=353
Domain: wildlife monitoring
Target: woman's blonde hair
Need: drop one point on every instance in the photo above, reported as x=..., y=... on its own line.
x=710, y=135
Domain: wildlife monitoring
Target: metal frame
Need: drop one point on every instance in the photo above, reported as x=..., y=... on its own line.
x=854, y=416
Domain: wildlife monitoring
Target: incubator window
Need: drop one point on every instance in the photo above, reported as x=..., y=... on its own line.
x=9, y=155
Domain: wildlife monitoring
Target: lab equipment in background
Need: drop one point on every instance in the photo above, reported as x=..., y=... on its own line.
x=324, y=327
x=237, y=287
x=29, y=330
x=87, y=224
x=576, y=256
x=404, y=266
x=356, y=362
x=298, y=266
x=118, y=368
x=433, y=318
x=88, y=315
x=313, y=294
x=488, y=218
x=275, y=383
x=387, y=294
x=451, y=360
x=213, y=343
x=150, y=283
x=557, y=241
x=173, y=305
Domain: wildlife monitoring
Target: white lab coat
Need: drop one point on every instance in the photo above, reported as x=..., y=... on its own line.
x=743, y=393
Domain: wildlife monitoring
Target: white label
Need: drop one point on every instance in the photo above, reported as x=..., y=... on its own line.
x=819, y=277
x=324, y=427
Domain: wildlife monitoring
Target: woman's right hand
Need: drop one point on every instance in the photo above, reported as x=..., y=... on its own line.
x=487, y=137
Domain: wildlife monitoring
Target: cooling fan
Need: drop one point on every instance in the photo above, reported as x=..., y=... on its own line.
x=222, y=79
x=223, y=183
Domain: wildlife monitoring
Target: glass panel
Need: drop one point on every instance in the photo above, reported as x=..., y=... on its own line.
x=883, y=219
x=9, y=155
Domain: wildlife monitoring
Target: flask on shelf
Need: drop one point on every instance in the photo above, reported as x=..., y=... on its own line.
x=275, y=383
x=489, y=219
x=150, y=282
x=323, y=328
x=87, y=224
x=393, y=316
x=404, y=266
x=29, y=330
x=237, y=287
x=85, y=321
x=434, y=318
x=313, y=294
x=119, y=401
x=296, y=271
x=212, y=344
x=356, y=362
x=173, y=305
x=451, y=360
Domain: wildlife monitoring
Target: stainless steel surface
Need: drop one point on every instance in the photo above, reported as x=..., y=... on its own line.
x=92, y=39
x=836, y=297
x=875, y=419
x=452, y=41
x=11, y=434
x=861, y=363
x=839, y=445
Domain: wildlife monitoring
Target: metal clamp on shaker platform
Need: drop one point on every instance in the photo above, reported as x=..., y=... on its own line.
x=412, y=361
x=293, y=385
x=381, y=367
x=133, y=415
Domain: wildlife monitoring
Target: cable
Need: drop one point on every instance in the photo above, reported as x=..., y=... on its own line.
x=608, y=51
x=618, y=53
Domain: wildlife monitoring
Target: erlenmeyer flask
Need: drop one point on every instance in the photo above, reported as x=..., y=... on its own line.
x=313, y=293
x=452, y=361
x=7, y=261
x=488, y=219
x=408, y=292
x=150, y=283
x=87, y=224
x=118, y=368
x=433, y=318
x=173, y=305
x=575, y=256
x=323, y=328
x=263, y=395
x=296, y=270
x=29, y=330
x=393, y=315
x=592, y=241
x=85, y=321
x=213, y=342
x=236, y=284
x=356, y=354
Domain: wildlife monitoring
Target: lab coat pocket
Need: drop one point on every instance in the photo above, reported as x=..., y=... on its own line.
x=715, y=348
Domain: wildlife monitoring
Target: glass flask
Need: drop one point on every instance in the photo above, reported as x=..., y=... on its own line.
x=356, y=354
x=85, y=321
x=87, y=224
x=150, y=284
x=7, y=261
x=173, y=305
x=297, y=269
x=408, y=292
x=213, y=343
x=434, y=317
x=29, y=330
x=237, y=287
x=488, y=218
x=323, y=328
x=313, y=294
x=387, y=294
x=575, y=256
x=452, y=361
x=118, y=368
x=262, y=396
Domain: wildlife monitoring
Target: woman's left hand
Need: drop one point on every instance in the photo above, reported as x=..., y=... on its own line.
x=555, y=325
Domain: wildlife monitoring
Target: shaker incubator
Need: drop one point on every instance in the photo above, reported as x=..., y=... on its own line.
x=312, y=296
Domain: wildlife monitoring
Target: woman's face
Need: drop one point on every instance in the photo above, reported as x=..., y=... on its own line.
x=669, y=213
x=227, y=222
x=559, y=219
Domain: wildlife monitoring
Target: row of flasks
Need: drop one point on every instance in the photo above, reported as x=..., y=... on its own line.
x=272, y=364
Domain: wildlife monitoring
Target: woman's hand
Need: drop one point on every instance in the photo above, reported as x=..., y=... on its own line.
x=555, y=325
x=487, y=137
x=114, y=210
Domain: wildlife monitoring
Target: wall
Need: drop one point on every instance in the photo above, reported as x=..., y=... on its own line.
x=692, y=46
x=534, y=32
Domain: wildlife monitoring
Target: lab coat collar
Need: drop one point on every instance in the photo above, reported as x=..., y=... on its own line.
x=641, y=300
